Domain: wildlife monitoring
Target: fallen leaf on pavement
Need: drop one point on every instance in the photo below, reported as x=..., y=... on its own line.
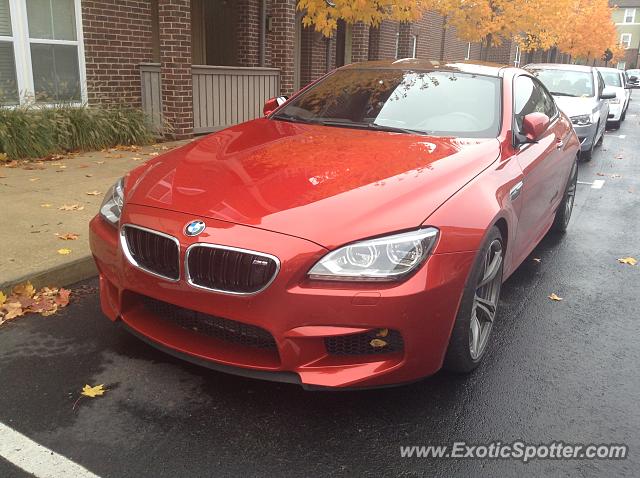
x=64, y=252
x=33, y=180
x=23, y=290
x=632, y=261
x=67, y=236
x=24, y=299
x=137, y=158
x=93, y=392
x=71, y=207
x=553, y=296
x=93, y=193
x=11, y=164
x=382, y=333
x=45, y=205
x=154, y=153
x=88, y=175
x=616, y=176
x=3, y=298
x=537, y=259
x=4, y=157
x=600, y=174
x=99, y=162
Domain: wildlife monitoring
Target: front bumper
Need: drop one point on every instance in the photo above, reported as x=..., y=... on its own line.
x=586, y=135
x=615, y=112
x=299, y=314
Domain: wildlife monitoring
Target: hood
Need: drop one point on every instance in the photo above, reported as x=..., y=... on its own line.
x=324, y=184
x=574, y=106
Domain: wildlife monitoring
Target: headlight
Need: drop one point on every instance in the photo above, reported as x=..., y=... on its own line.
x=614, y=101
x=582, y=120
x=383, y=259
x=111, y=207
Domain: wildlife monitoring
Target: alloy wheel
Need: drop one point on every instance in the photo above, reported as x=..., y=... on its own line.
x=485, y=301
x=571, y=194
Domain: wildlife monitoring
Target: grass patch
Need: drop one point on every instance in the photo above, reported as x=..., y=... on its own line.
x=32, y=132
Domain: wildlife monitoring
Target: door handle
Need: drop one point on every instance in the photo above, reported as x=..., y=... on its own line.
x=559, y=144
x=516, y=190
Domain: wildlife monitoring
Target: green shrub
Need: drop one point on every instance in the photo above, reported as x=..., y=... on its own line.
x=32, y=132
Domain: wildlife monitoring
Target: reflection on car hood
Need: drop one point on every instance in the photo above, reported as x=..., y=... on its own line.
x=574, y=106
x=325, y=184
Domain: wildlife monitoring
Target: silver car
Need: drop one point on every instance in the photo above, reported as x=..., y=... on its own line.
x=581, y=94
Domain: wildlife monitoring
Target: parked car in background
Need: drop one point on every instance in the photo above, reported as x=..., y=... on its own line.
x=356, y=236
x=615, y=80
x=580, y=92
x=634, y=78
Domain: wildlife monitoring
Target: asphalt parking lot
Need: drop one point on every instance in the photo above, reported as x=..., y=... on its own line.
x=556, y=371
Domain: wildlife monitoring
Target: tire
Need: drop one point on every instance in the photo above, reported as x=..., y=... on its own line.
x=563, y=213
x=587, y=155
x=613, y=125
x=624, y=115
x=464, y=353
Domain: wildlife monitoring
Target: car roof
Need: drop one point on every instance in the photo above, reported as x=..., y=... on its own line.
x=474, y=67
x=559, y=66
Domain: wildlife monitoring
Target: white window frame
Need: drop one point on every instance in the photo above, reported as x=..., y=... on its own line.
x=633, y=15
x=22, y=51
x=625, y=40
x=414, y=46
x=621, y=65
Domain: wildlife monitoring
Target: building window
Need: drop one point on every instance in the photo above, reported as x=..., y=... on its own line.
x=47, y=65
x=468, y=55
x=621, y=65
x=8, y=81
x=625, y=40
x=629, y=15
x=414, y=46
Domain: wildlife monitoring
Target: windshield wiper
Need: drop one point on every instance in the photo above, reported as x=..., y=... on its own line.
x=558, y=93
x=296, y=119
x=371, y=126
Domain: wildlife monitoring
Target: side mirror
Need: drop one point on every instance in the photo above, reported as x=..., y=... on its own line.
x=607, y=94
x=633, y=78
x=273, y=104
x=534, y=125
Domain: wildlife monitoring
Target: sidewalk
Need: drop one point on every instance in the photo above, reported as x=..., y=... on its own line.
x=42, y=199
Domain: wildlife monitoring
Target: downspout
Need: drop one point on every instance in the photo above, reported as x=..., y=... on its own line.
x=263, y=32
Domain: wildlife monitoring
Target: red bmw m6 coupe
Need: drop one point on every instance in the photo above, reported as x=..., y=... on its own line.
x=356, y=236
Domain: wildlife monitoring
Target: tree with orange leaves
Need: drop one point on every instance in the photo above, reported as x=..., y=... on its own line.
x=581, y=28
x=589, y=31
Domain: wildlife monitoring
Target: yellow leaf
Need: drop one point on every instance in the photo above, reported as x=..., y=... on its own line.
x=378, y=343
x=4, y=157
x=628, y=260
x=71, y=207
x=3, y=298
x=382, y=332
x=45, y=205
x=64, y=252
x=93, y=392
x=93, y=193
x=24, y=290
x=553, y=296
x=68, y=236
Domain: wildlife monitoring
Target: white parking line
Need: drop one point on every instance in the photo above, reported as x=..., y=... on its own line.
x=37, y=459
x=597, y=184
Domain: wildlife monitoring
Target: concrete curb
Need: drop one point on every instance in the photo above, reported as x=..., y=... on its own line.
x=59, y=276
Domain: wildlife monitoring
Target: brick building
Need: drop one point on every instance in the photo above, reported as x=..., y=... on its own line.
x=195, y=65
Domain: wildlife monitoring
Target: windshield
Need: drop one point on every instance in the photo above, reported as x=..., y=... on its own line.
x=611, y=78
x=436, y=103
x=633, y=73
x=566, y=82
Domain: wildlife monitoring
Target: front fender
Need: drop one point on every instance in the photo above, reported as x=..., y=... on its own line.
x=465, y=219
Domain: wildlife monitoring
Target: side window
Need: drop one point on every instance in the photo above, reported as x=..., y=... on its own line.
x=530, y=97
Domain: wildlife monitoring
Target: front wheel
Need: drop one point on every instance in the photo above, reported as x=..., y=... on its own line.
x=563, y=214
x=474, y=321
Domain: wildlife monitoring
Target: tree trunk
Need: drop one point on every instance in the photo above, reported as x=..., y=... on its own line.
x=487, y=46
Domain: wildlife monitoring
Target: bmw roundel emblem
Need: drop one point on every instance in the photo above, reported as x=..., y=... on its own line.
x=194, y=228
